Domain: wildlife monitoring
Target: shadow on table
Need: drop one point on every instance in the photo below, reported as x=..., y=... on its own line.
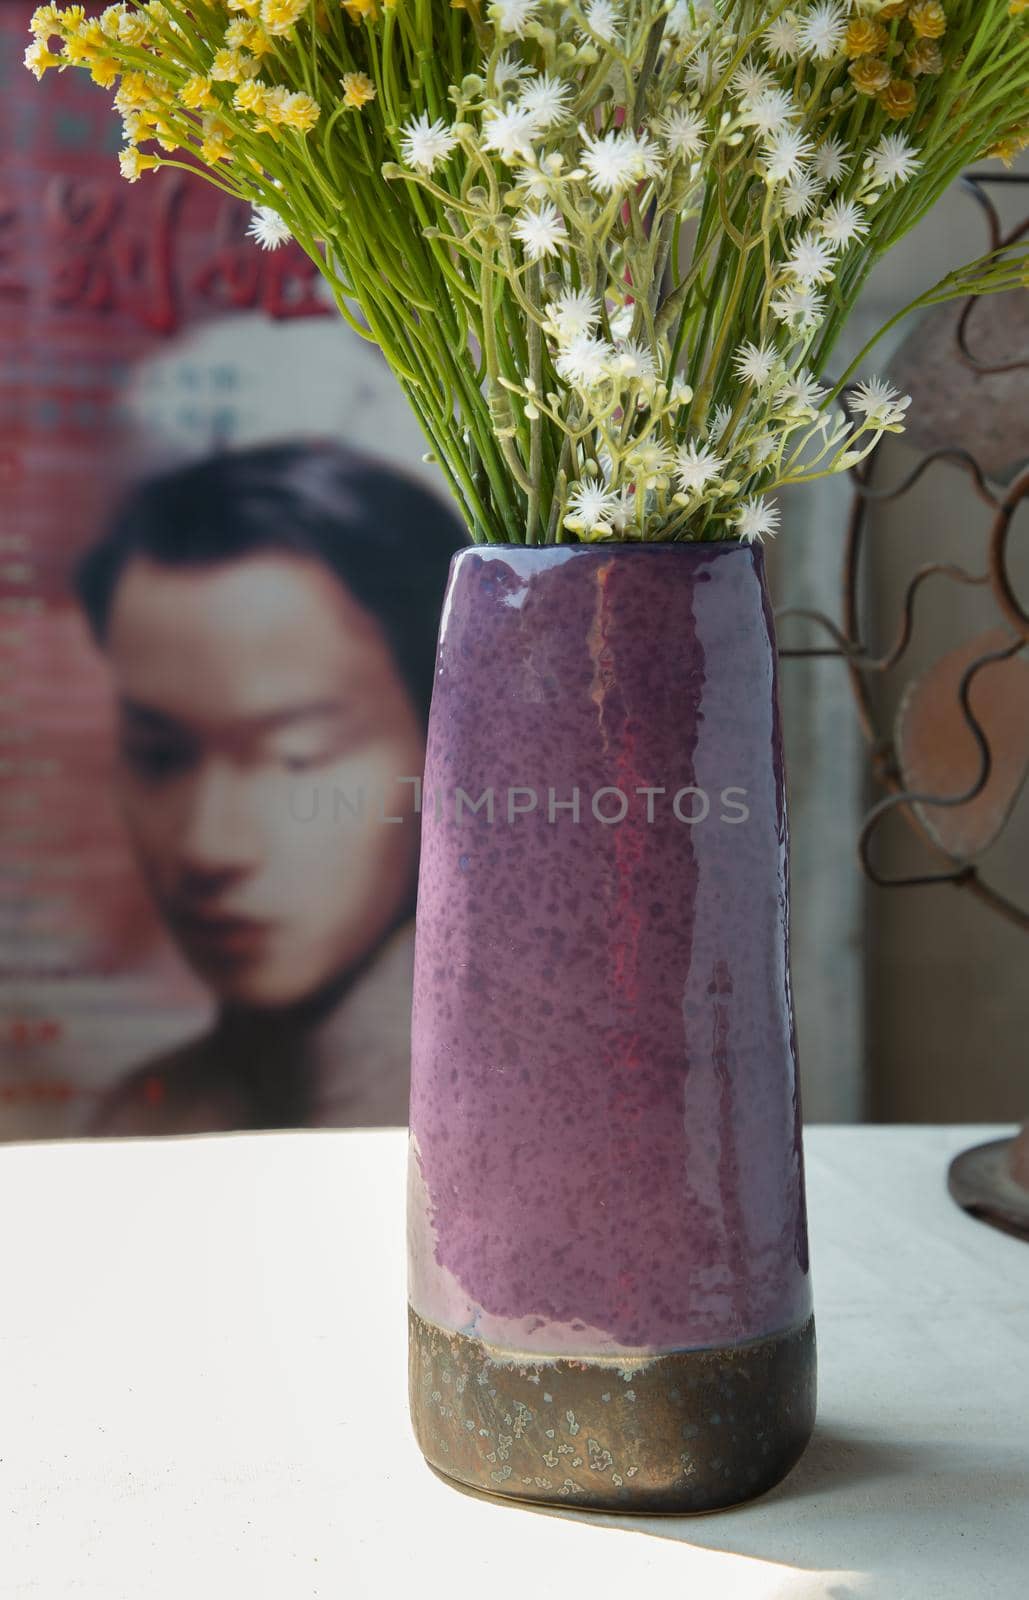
x=863, y=1506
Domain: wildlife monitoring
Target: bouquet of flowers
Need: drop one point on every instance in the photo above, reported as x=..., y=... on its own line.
x=606, y=246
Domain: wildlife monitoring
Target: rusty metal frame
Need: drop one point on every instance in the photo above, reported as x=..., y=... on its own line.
x=847, y=634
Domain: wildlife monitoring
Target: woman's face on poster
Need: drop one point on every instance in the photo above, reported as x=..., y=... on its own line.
x=265, y=735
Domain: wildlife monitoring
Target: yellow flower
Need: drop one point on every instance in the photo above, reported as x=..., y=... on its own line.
x=275, y=102
x=249, y=7
x=81, y=48
x=356, y=9
x=1009, y=147
x=1016, y=8
x=239, y=34
x=252, y=96
x=166, y=136
x=217, y=145
x=45, y=20
x=865, y=38
x=278, y=16
x=196, y=94
x=133, y=163
x=260, y=44
x=893, y=8
x=300, y=112
x=898, y=99
x=39, y=57
x=925, y=56
x=294, y=109
x=136, y=125
x=869, y=75
x=104, y=71
x=134, y=30
x=138, y=93
x=72, y=17
x=928, y=19
x=131, y=27
x=232, y=66
x=358, y=89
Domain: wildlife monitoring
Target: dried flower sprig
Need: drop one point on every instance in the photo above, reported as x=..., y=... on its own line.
x=606, y=247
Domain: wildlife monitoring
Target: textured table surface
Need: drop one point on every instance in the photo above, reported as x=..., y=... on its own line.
x=203, y=1392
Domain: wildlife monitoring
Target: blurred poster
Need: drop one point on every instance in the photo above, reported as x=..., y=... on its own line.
x=221, y=563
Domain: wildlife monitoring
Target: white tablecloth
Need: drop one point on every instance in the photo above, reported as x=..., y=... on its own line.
x=203, y=1392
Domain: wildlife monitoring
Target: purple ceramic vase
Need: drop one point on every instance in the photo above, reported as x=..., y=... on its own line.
x=608, y=1265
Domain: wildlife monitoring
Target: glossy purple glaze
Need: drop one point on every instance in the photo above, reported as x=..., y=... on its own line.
x=606, y=1149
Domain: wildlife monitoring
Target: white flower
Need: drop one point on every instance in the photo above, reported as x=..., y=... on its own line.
x=603, y=20
x=841, y=222
x=892, y=161
x=705, y=68
x=785, y=153
x=619, y=159
x=685, y=13
x=830, y=160
x=650, y=463
x=799, y=306
x=879, y=404
x=509, y=130
x=423, y=143
x=680, y=394
x=821, y=30
x=268, y=228
x=683, y=131
x=811, y=259
x=624, y=511
x=801, y=392
x=574, y=312
x=799, y=195
x=770, y=112
x=756, y=363
x=760, y=449
x=540, y=174
x=679, y=22
x=584, y=361
x=620, y=319
x=719, y=420
x=591, y=507
x=757, y=519
x=507, y=70
x=750, y=81
x=648, y=156
x=687, y=18
x=632, y=359
x=514, y=16
x=696, y=465
x=542, y=232
x=782, y=39
x=546, y=97
x=610, y=162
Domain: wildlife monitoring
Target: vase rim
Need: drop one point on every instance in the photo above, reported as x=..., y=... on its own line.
x=605, y=546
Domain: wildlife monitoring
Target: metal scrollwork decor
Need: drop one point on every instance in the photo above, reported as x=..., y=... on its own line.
x=955, y=761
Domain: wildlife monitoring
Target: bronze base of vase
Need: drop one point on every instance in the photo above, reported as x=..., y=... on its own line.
x=688, y=1431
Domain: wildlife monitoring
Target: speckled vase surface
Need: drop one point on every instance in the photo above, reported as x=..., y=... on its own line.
x=610, y=1300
